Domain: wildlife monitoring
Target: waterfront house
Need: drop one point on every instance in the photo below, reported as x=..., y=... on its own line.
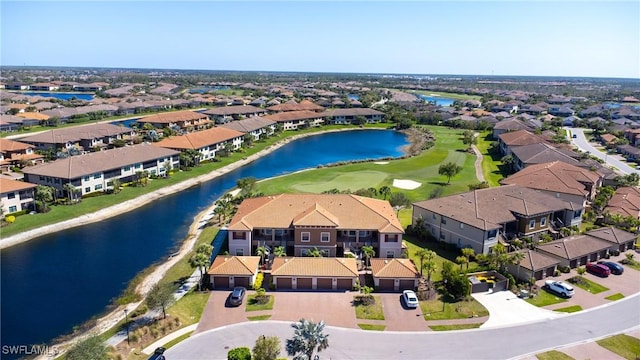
x=309, y=273
x=44, y=87
x=255, y=126
x=96, y=171
x=479, y=219
x=292, y=120
x=82, y=138
x=206, y=142
x=227, y=272
x=16, y=196
x=348, y=116
x=187, y=120
x=225, y=114
x=332, y=223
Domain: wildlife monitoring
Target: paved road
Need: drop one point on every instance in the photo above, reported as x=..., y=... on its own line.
x=496, y=343
x=612, y=160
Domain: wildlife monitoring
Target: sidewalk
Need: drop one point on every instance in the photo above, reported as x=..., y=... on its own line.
x=174, y=335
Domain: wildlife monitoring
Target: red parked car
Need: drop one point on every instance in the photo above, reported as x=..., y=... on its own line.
x=598, y=269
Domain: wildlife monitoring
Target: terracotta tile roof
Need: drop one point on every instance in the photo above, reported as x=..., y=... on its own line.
x=309, y=266
x=608, y=138
x=394, y=268
x=511, y=125
x=172, y=117
x=574, y=246
x=199, y=139
x=294, y=116
x=535, y=261
x=352, y=112
x=235, y=110
x=33, y=115
x=234, y=265
x=626, y=202
x=248, y=125
x=77, y=133
x=91, y=163
x=315, y=215
x=543, y=153
x=7, y=145
x=489, y=208
x=555, y=176
x=520, y=137
x=613, y=235
x=304, y=105
x=347, y=211
x=7, y=185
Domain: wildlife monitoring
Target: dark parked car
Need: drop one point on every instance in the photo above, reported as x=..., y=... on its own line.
x=237, y=295
x=598, y=269
x=616, y=269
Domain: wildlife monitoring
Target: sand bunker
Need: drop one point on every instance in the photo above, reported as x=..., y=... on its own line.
x=406, y=184
x=381, y=162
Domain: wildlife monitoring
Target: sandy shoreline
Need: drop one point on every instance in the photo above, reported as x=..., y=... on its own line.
x=133, y=204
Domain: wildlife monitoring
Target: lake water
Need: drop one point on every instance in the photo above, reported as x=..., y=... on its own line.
x=60, y=280
x=439, y=101
x=57, y=95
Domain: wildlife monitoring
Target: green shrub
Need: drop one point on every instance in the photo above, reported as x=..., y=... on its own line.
x=240, y=353
x=257, y=284
x=564, y=269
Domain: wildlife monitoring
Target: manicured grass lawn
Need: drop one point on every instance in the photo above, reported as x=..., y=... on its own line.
x=252, y=305
x=370, y=312
x=570, y=309
x=190, y=307
x=591, y=286
x=432, y=309
x=635, y=265
x=454, y=96
x=614, y=297
x=442, y=255
x=491, y=164
x=422, y=168
x=545, y=298
x=259, y=317
x=182, y=268
x=624, y=345
x=553, y=355
x=372, y=327
x=454, y=327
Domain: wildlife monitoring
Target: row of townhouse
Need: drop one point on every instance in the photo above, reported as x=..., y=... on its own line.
x=92, y=87
x=79, y=137
x=16, y=153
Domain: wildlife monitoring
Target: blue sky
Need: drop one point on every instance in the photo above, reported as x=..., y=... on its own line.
x=599, y=39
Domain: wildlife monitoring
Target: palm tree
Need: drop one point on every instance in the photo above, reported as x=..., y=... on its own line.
x=424, y=254
x=468, y=253
x=430, y=267
x=70, y=190
x=368, y=254
x=262, y=252
x=279, y=251
x=199, y=261
x=516, y=258
x=384, y=191
x=308, y=337
x=461, y=260
x=44, y=194
x=373, y=190
x=314, y=252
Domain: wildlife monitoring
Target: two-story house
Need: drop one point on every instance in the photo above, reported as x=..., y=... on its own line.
x=79, y=137
x=206, y=142
x=479, y=218
x=185, y=119
x=255, y=126
x=350, y=115
x=13, y=153
x=509, y=140
x=292, y=120
x=332, y=223
x=225, y=114
x=16, y=196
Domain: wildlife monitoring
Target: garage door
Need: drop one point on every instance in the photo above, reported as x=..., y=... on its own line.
x=407, y=285
x=304, y=283
x=283, y=283
x=325, y=284
x=221, y=282
x=386, y=285
x=538, y=275
x=345, y=284
x=242, y=281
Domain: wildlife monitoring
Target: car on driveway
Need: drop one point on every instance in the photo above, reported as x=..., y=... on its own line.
x=237, y=296
x=616, y=269
x=598, y=269
x=560, y=288
x=410, y=299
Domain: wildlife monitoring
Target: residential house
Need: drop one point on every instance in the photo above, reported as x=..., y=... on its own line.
x=618, y=239
x=332, y=223
x=292, y=120
x=509, y=125
x=633, y=135
x=93, y=87
x=629, y=152
x=509, y=140
x=608, y=140
x=206, y=142
x=561, y=110
x=348, y=116
x=16, y=196
x=570, y=183
x=185, y=119
x=304, y=105
x=479, y=219
x=222, y=115
x=13, y=153
x=575, y=251
x=625, y=202
x=394, y=274
x=309, y=273
x=227, y=272
x=44, y=87
x=81, y=138
x=96, y=171
x=534, y=265
x=256, y=126
x=528, y=155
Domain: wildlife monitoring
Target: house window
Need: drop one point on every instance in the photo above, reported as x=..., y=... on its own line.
x=441, y=236
x=13, y=209
x=443, y=220
x=127, y=168
x=532, y=224
x=266, y=231
x=239, y=252
x=87, y=178
x=461, y=226
x=391, y=238
x=239, y=235
x=434, y=216
x=11, y=195
x=98, y=187
x=305, y=236
x=325, y=237
x=364, y=233
x=87, y=190
x=41, y=178
x=56, y=181
x=577, y=214
x=96, y=176
x=492, y=234
x=390, y=254
x=543, y=221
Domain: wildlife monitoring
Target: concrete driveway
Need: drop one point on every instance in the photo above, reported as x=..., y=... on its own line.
x=399, y=318
x=506, y=309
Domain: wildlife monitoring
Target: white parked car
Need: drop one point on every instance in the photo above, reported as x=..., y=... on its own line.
x=410, y=299
x=560, y=287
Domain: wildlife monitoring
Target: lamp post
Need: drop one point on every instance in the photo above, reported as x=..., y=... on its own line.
x=126, y=323
x=443, y=294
